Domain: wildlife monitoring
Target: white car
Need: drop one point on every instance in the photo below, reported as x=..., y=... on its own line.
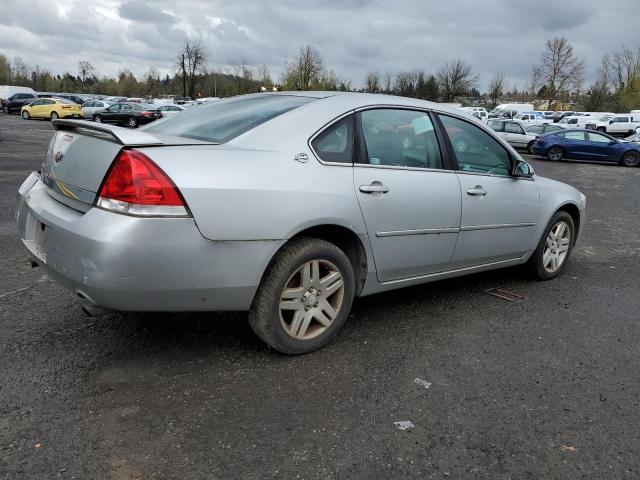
x=92, y=106
x=621, y=123
x=514, y=133
x=479, y=112
x=577, y=121
x=170, y=110
x=532, y=118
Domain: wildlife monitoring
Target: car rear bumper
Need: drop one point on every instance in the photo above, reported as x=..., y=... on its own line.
x=138, y=264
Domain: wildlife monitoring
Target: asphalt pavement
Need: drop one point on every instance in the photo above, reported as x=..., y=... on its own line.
x=543, y=388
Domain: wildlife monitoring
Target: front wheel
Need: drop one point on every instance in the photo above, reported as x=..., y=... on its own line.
x=132, y=122
x=631, y=159
x=555, y=154
x=97, y=118
x=552, y=254
x=530, y=148
x=304, y=298
x=26, y=115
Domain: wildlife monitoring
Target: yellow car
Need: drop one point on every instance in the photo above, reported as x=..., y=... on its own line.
x=51, y=108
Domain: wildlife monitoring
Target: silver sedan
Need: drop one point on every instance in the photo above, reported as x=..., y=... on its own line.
x=288, y=205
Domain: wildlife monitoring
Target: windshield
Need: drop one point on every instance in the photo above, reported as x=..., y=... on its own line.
x=224, y=120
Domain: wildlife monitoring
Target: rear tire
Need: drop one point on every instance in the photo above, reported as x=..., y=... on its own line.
x=26, y=115
x=54, y=115
x=555, y=154
x=554, y=249
x=5, y=109
x=602, y=129
x=304, y=297
x=132, y=122
x=631, y=159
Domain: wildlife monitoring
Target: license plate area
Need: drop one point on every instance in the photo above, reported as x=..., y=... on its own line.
x=34, y=238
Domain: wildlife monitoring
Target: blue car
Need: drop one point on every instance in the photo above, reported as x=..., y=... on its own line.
x=587, y=145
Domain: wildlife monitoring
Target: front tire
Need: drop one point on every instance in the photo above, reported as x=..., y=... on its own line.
x=26, y=115
x=552, y=254
x=304, y=298
x=555, y=154
x=530, y=148
x=97, y=118
x=631, y=159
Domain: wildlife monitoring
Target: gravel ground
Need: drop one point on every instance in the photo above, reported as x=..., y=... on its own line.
x=544, y=388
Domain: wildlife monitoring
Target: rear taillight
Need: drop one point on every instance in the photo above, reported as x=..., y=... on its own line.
x=134, y=185
x=148, y=114
x=65, y=106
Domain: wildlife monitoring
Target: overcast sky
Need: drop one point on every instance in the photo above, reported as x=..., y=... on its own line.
x=353, y=36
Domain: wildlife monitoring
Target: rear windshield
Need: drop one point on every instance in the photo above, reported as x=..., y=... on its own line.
x=224, y=120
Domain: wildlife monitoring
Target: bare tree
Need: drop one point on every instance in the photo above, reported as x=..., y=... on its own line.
x=559, y=70
x=496, y=88
x=264, y=76
x=85, y=71
x=387, y=82
x=192, y=60
x=304, y=71
x=456, y=78
x=372, y=82
x=625, y=67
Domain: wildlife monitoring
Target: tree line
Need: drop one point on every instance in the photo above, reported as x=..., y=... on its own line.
x=557, y=78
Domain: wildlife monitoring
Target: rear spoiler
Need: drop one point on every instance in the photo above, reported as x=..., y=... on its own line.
x=124, y=136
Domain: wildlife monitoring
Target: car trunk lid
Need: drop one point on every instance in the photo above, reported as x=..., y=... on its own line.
x=80, y=154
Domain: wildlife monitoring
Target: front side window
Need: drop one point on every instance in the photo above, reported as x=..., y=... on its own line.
x=511, y=127
x=476, y=150
x=37, y=102
x=226, y=119
x=335, y=144
x=396, y=137
x=620, y=119
x=574, y=135
x=596, y=137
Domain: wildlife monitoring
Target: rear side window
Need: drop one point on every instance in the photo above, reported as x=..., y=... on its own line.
x=335, y=144
x=475, y=150
x=511, y=127
x=573, y=135
x=397, y=137
x=226, y=119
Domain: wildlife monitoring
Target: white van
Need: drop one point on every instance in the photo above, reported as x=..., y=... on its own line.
x=510, y=110
x=7, y=90
x=478, y=112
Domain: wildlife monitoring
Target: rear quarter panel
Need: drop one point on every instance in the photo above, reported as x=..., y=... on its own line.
x=252, y=194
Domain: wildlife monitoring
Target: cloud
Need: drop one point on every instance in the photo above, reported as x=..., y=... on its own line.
x=353, y=36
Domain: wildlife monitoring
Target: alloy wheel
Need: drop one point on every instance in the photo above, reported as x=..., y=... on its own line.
x=311, y=299
x=555, y=154
x=556, y=246
x=631, y=159
x=97, y=119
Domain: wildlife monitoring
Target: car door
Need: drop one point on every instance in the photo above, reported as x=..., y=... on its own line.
x=618, y=124
x=499, y=211
x=408, y=194
x=602, y=147
x=575, y=144
x=515, y=134
x=36, y=109
x=111, y=114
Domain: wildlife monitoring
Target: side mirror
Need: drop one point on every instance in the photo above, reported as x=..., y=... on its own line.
x=612, y=142
x=522, y=169
x=610, y=122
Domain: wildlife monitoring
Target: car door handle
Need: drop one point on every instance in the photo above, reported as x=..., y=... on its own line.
x=375, y=187
x=477, y=190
